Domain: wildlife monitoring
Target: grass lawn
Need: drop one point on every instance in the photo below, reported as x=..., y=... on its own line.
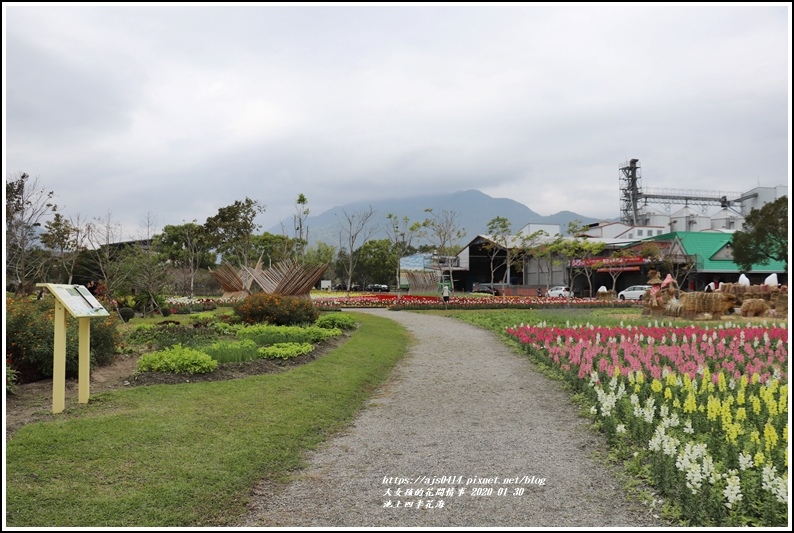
x=188, y=455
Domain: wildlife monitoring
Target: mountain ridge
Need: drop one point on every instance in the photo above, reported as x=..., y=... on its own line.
x=473, y=207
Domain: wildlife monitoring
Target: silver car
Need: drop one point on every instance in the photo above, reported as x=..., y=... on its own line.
x=635, y=292
x=559, y=292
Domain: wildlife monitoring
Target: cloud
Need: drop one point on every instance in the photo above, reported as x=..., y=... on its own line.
x=178, y=111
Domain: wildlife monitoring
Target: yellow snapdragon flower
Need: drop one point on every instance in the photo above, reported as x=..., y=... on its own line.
x=656, y=386
x=770, y=437
x=722, y=385
x=690, y=404
x=759, y=458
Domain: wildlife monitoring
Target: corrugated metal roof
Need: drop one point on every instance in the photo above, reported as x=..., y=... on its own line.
x=706, y=244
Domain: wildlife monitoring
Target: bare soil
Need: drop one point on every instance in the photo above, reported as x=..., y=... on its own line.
x=32, y=402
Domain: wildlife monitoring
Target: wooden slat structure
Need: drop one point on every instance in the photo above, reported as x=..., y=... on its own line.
x=231, y=282
x=422, y=280
x=288, y=278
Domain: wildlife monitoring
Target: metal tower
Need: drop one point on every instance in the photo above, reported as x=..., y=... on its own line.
x=630, y=176
x=632, y=195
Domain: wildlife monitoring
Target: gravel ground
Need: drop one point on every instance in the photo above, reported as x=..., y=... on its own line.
x=488, y=441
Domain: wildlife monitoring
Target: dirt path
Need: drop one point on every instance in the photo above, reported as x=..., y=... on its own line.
x=464, y=433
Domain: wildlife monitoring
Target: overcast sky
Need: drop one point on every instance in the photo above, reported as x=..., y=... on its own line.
x=173, y=112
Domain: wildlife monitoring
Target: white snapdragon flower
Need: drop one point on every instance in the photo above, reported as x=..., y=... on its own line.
x=694, y=479
x=733, y=489
x=745, y=461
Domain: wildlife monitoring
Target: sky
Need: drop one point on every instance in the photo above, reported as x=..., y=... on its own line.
x=155, y=115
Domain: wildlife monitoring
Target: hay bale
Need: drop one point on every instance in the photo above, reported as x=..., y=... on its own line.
x=754, y=307
x=606, y=295
x=674, y=307
x=781, y=303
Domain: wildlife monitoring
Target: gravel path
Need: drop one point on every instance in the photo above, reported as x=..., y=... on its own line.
x=487, y=440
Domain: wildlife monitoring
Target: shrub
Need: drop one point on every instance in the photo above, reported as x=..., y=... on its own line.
x=11, y=378
x=265, y=334
x=165, y=311
x=177, y=360
x=126, y=313
x=285, y=350
x=127, y=300
x=30, y=328
x=336, y=320
x=275, y=309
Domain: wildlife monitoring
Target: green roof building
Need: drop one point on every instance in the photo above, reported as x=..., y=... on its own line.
x=715, y=258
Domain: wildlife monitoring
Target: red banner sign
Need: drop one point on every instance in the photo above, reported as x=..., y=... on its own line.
x=605, y=262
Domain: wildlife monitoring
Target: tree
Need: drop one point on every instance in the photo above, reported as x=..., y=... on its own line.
x=27, y=204
x=615, y=267
x=320, y=254
x=147, y=273
x=499, y=231
x=67, y=238
x=106, y=251
x=444, y=231
x=272, y=248
x=231, y=231
x=586, y=250
x=374, y=261
x=352, y=227
x=764, y=237
x=401, y=233
x=186, y=248
x=565, y=250
x=301, y=229
x=541, y=253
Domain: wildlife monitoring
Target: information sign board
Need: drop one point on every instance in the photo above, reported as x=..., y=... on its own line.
x=77, y=300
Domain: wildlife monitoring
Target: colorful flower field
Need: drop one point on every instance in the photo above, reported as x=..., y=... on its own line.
x=407, y=301
x=702, y=413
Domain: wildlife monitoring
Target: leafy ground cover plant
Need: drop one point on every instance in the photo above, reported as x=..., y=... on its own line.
x=285, y=350
x=340, y=321
x=266, y=334
x=167, y=334
x=177, y=359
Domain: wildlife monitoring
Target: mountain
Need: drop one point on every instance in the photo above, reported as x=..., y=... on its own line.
x=474, y=209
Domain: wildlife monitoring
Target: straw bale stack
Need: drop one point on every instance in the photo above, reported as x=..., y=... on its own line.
x=781, y=301
x=754, y=307
x=712, y=303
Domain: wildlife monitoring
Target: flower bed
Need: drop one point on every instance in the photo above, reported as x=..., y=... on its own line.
x=392, y=301
x=182, y=305
x=704, y=408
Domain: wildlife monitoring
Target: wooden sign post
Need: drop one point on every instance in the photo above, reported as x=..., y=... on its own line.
x=82, y=305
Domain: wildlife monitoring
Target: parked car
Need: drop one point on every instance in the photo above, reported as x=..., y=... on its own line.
x=559, y=292
x=635, y=292
x=485, y=288
x=375, y=287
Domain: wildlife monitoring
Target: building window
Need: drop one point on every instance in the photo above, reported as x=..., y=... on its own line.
x=658, y=232
x=639, y=233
